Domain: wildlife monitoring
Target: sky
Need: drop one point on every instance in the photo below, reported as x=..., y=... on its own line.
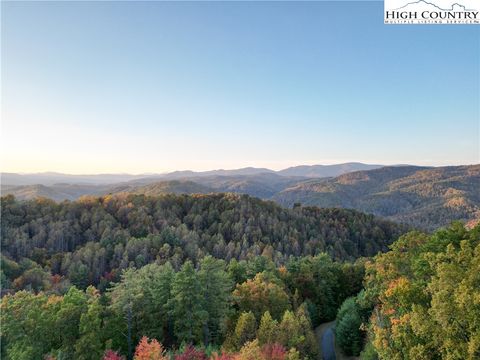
x=148, y=87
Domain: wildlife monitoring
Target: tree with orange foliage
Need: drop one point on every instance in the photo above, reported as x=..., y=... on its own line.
x=149, y=350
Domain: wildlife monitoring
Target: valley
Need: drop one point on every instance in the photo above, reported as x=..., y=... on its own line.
x=418, y=196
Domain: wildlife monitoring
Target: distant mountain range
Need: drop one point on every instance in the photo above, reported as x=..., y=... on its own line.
x=51, y=178
x=424, y=197
x=315, y=171
x=421, y=196
x=260, y=182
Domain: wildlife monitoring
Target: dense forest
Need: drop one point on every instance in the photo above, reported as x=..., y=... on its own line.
x=234, y=310
x=90, y=241
x=421, y=300
x=232, y=274
x=423, y=197
x=230, y=277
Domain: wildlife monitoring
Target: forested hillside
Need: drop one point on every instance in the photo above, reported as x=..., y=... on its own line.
x=57, y=192
x=91, y=240
x=245, y=310
x=164, y=187
x=421, y=300
x=424, y=197
x=263, y=185
x=183, y=277
x=229, y=277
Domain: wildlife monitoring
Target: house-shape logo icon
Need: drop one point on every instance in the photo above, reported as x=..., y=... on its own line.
x=432, y=12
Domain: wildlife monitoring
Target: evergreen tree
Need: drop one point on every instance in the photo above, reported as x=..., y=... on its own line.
x=348, y=334
x=216, y=287
x=90, y=344
x=188, y=305
x=268, y=330
x=245, y=329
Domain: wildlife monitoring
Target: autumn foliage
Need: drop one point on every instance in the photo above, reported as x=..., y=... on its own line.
x=112, y=355
x=149, y=350
x=190, y=353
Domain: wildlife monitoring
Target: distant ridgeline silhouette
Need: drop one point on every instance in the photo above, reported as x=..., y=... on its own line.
x=436, y=6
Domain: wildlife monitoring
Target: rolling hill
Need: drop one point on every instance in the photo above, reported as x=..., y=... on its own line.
x=316, y=171
x=425, y=197
x=422, y=196
x=57, y=192
x=164, y=187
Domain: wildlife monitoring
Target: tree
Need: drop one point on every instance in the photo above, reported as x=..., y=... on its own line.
x=261, y=294
x=319, y=280
x=112, y=355
x=141, y=298
x=268, y=330
x=216, y=287
x=348, y=334
x=149, y=350
x=79, y=275
x=190, y=353
x=424, y=292
x=289, y=331
x=250, y=351
x=28, y=325
x=274, y=351
x=295, y=332
x=67, y=319
x=187, y=305
x=35, y=279
x=309, y=346
x=90, y=345
x=245, y=329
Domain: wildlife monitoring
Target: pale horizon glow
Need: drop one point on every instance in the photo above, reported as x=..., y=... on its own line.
x=155, y=87
x=276, y=167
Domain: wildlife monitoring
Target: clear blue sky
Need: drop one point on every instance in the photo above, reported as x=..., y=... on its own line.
x=96, y=87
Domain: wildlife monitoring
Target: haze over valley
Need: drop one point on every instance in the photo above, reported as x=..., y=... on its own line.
x=426, y=197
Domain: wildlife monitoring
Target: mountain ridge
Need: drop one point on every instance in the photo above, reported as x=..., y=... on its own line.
x=420, y=196
x=50, y=178
x=425, y=197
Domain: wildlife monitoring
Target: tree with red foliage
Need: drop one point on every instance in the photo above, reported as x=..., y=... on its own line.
x=112, y=355
x=223, y=356
x=190, y=353
x=274, y=352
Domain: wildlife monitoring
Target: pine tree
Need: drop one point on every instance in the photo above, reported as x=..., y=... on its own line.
x=268, y=330
x=216, y=287
x=90, y=345
x=187, y=305
x=309, y=346
x=289, y=330
x=245, y=329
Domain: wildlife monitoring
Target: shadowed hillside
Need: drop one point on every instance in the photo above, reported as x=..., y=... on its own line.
x=426, y=197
